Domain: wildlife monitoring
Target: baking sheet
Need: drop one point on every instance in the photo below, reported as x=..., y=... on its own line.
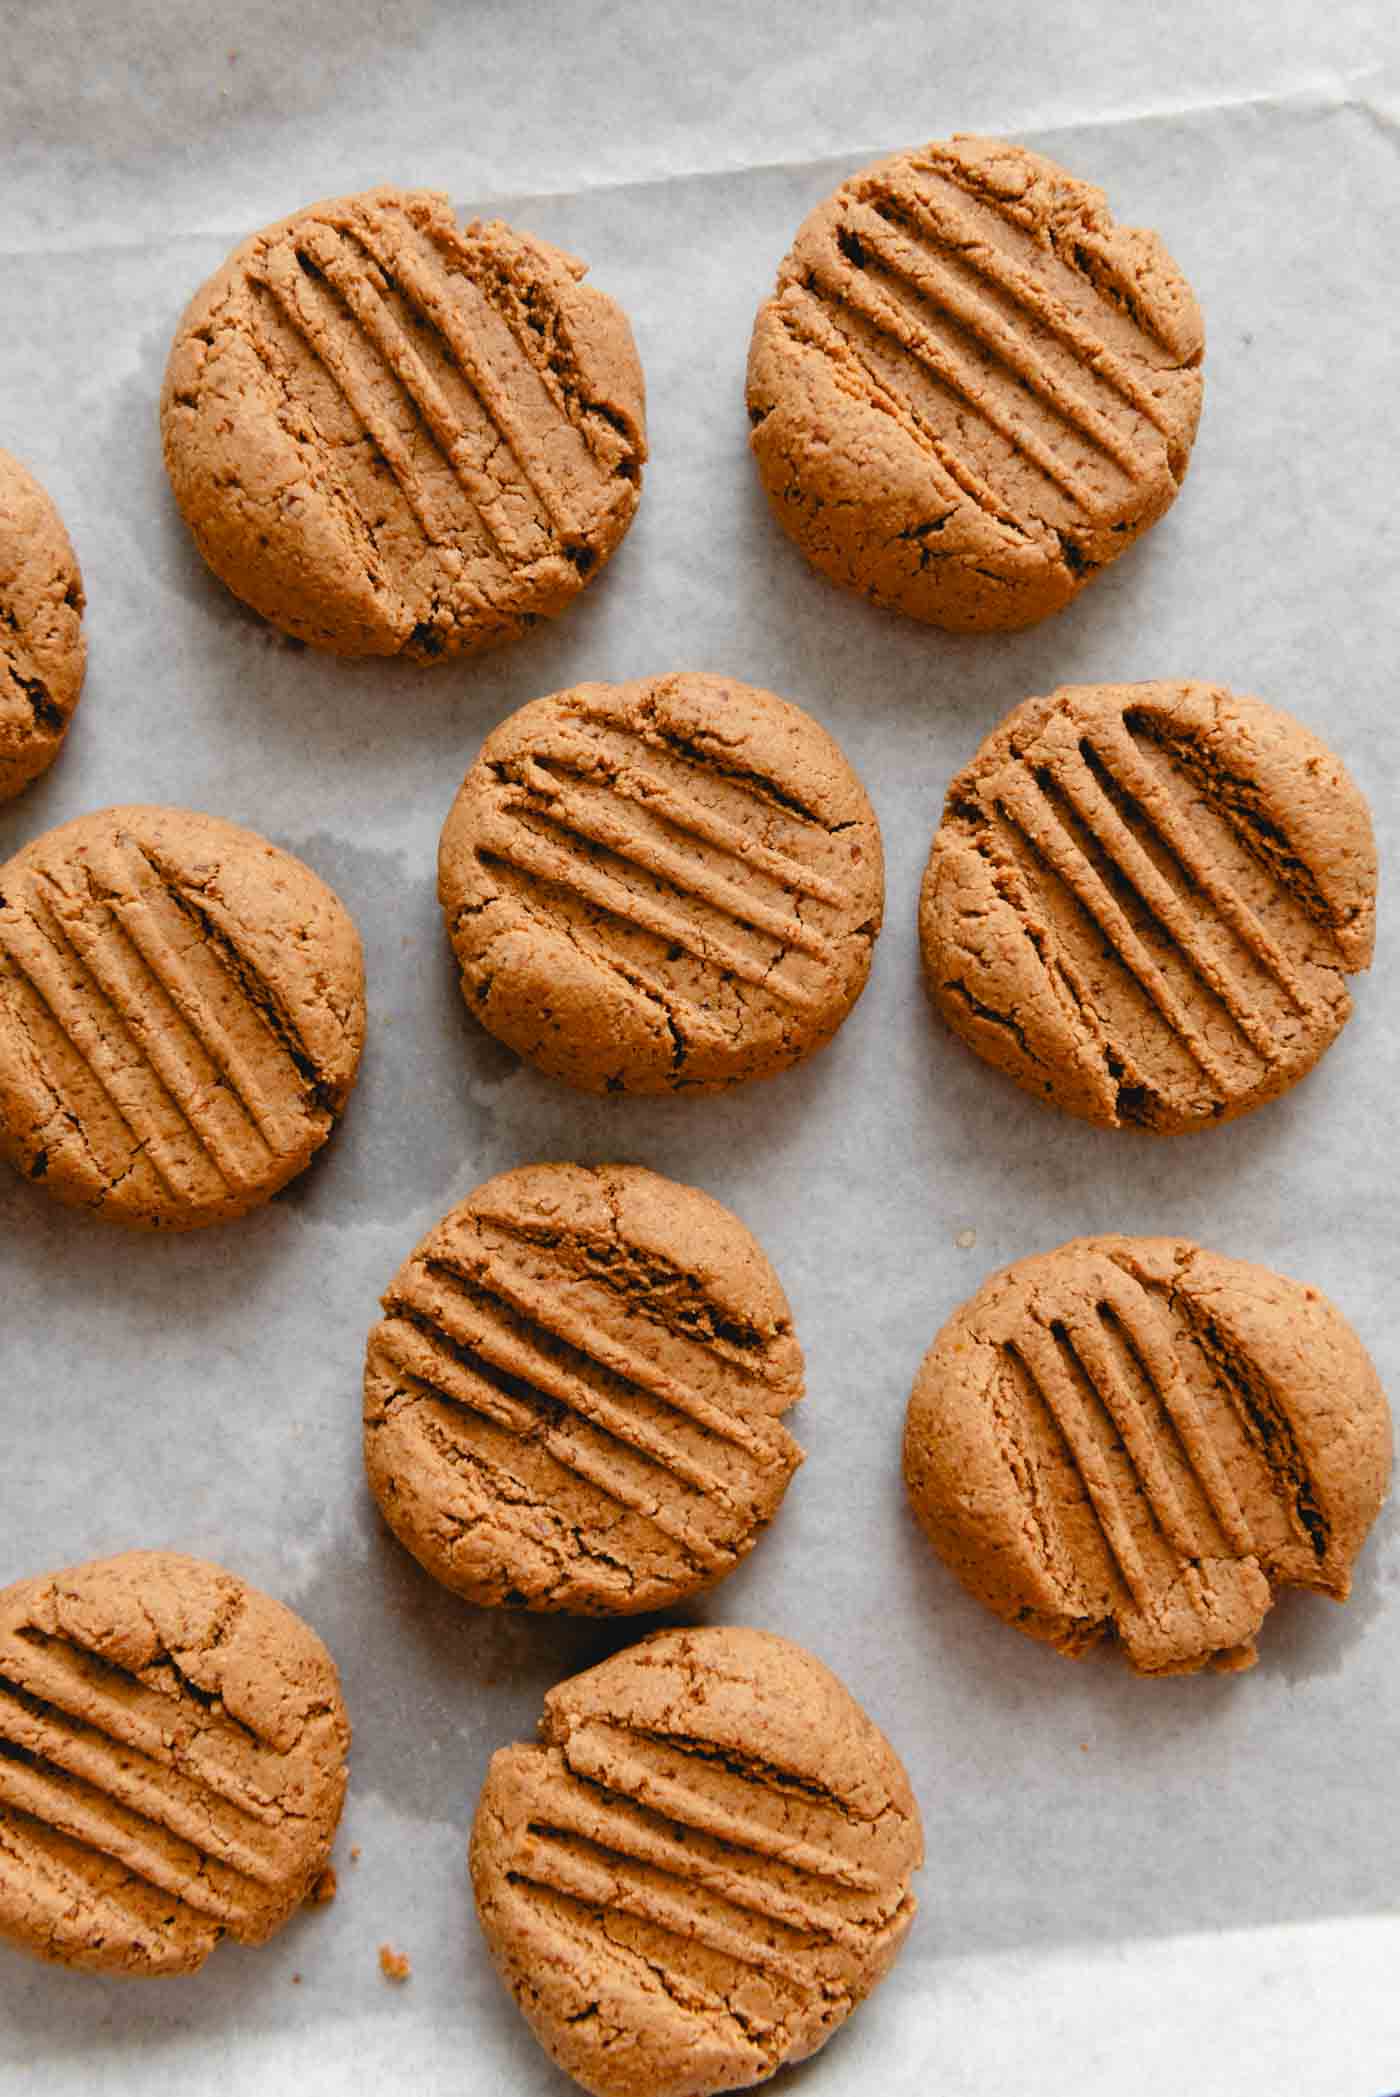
x=1148, y=1886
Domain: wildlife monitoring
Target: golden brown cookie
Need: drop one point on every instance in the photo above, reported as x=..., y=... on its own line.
x=972, y=390
x=172, y=1763
x=181, y=1015
x=394, y=436
x=1143, y=902
x=42, y=650
x=666, y=886
x=701, y=1870
x=573, y=1398
x=1131, y=1437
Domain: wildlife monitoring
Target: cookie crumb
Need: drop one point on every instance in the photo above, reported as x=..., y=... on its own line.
x=965, y=1240
x=394, y=1965
x=296, y=1980
x=324, y=1889
x=355, y=1854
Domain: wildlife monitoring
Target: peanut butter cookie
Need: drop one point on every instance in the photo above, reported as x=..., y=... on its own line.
x=181, y=1015
x=702, y=1868
x=172, y=1763
x=972, y=390
x=394, y=436
x=1134, y=1438
x=572, y=1400
x=1143, y=902
x=42, y=650
x=673, y=885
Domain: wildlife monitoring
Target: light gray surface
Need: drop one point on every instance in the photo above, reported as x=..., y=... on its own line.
x=1088, y=1834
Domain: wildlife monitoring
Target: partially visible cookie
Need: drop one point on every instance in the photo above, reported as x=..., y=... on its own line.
x=392, y=435
x=1134, y=1438
x=572, y=1400
x=972, y=390
x=172, y=1763
x=42, y=649
x=1143, y=902
x=673, y=885
x=181, y=1015
x=701, y=1870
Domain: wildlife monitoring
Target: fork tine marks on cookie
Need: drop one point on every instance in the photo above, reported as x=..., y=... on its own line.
x=421, y=361
x=1118, y=753
x=225, y=1757
x=811, y=322
x=48, y=1878
x=606, y=1439
x=157, y=1068
x=701, y=843
x=591, y=816
x=551, y=454
x=1023, y=802
x=978, y=388
x=743, y=818
x=829, y=1898
x=1077, y=391
x=1136, y=842
x=520, y=1332
x=552, y=1415
x=462, y=420
x=970, y=391
x=94, y=1031
x=686, y=916
x=704, y=1884
x=1134, y=1435
x=977, y=242
x=140, y=1820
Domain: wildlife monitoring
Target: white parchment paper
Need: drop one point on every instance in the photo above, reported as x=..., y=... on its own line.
x=1165, y=1887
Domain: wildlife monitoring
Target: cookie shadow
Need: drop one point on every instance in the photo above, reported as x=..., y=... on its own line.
x=419, y=1663
x=829, y=643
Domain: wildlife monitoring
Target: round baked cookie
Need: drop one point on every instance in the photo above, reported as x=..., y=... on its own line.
x=182, y=1010
x=1143, y=902
x=572, y=1400
x=394, y=436
x=42, y=649
x=172, y=1763
x=972, y=390
x=666, y=886
x=700, y=1870
x=1134, y=1438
